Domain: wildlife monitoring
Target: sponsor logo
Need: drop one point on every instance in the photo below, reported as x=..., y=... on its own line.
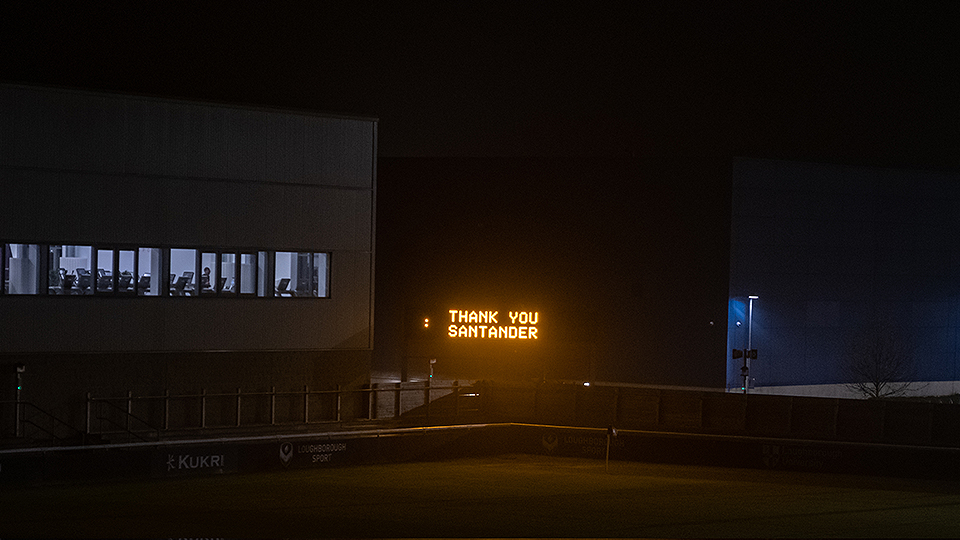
x=180, y=462
x=583, y=445
x=317, y=453
x=286, y=453
x=550, y=442
x=194, y=460
x=771, y=455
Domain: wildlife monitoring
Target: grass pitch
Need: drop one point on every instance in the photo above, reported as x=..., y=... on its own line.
x=508, y=496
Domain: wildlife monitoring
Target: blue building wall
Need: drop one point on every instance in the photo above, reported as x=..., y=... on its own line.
x=830, y=251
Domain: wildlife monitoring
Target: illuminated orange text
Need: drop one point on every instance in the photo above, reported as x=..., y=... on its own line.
x=485, y=324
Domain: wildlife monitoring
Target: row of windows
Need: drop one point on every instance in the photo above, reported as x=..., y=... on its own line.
x=94, y=270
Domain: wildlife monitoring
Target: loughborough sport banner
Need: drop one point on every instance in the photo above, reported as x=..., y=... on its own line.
x=306, y=454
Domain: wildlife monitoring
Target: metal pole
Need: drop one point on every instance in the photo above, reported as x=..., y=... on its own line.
x=273, y=405
x=306, y=404
x=339, y=396
x=19, y=427
x=746, y=354
x=426, y=397
x=238, y=407
x=607, y=462
x=396, y=401
x=456, y=398
x=88, y=411
x=203, y=407
x=744, y=373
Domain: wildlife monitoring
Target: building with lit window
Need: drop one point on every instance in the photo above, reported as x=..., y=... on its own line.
x=838, y=259
x=153, y=245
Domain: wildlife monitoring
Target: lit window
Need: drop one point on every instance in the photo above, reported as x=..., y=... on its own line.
x=125, y=271
x=299, y=274
x=22, y=269
x=209, y=273
x=147, y=271
x=263, y=282
x=183, y=266
x=104, y=275
x=284, y=274
x=70, y=270
x=321, y=275
x=228, y=274
x=148, y=265
x=248, y=273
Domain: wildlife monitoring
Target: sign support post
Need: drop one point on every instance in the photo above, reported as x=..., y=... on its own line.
x=611, y=432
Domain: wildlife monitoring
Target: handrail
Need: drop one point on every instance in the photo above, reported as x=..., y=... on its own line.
x=128, y=414
x=203, y=393
x=124, y=429
x=21, y=419
x=331, y=408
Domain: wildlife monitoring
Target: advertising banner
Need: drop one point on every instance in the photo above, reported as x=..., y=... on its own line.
x=308, y=454
x=190, y=461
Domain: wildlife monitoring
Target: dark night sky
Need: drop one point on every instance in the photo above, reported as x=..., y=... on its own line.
x=646, y=101
x=869, y=82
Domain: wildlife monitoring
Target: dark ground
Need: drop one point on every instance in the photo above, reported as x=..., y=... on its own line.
x=517, y=495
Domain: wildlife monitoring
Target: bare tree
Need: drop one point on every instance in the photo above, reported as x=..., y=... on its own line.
x=881, y=363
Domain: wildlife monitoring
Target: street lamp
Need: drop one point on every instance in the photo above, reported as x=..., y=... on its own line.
x=748, y=352
x=750, y=323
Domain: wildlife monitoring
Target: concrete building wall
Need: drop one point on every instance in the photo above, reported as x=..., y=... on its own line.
x=832, y=251
x=125, y=172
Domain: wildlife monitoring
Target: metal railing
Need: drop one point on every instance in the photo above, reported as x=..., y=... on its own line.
x=135, y=415
x=210, y=409
x=32, y=422
x=106, y=411
x=422, y=400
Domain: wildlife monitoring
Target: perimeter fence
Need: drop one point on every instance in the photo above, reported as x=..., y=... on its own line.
x=166, y=415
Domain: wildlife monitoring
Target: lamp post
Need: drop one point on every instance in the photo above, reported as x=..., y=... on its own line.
x=746, y=355
x=21, y=369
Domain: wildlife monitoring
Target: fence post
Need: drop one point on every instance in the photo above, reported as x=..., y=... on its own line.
x=659, y=407
x=126, y=421
x=396, y=402
x=203, y=407
x=700, y=399
x=89, y=405
x=306, y=404
x=616, y=405
x=339, y=396
x=238, y=407
x=426, y=397
x=273, y=405
x=456, y=399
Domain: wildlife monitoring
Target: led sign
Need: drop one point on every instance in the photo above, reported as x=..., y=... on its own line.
x=488, y=325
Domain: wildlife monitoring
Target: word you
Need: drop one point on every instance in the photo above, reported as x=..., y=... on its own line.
x=485, y=324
